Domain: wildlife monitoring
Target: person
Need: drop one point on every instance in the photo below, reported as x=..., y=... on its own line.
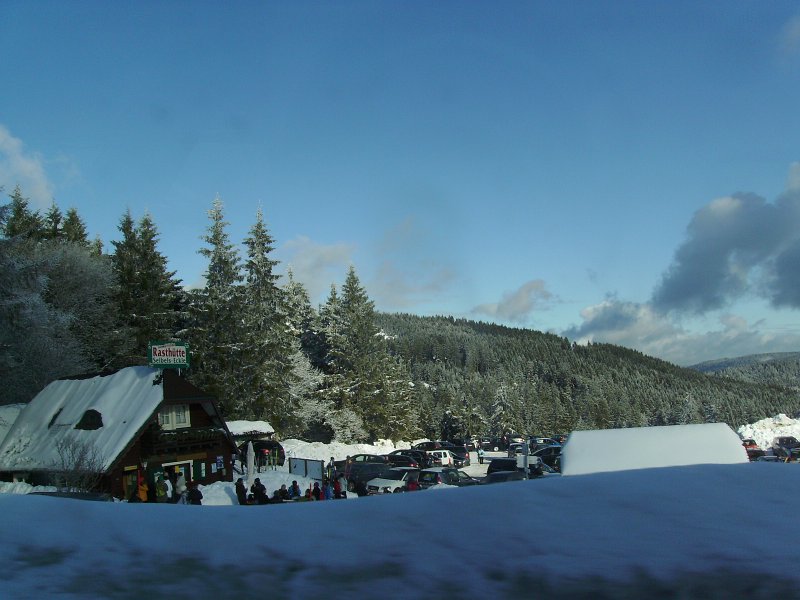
x=283, y=493
x=259, y=491
x=337, y=489
x=412, y=485
x=195, y=496
x=161, y=489
x=480, y=455
x=331, y=469
x=347, y=464
x=294, y=491
x=342, y=481
x=241, y=491
x=180, y=486
x=316, y=492
x=168, y=483
x=142, y=489
x=307, y=497
x=361, y=489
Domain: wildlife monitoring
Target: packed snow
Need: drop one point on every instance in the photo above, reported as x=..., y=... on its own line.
x=693, y=531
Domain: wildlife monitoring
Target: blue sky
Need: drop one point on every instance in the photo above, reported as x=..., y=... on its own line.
x=611, y=171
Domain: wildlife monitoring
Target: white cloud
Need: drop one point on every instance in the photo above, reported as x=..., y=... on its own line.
x=517, y=306
x=790, y=37
x=642, y=328
x=23, y=168
x=317, y=266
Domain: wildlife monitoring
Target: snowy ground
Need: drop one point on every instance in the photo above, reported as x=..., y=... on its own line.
x=706, y=531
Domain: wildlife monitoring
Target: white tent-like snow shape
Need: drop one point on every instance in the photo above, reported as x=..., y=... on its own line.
x=124, y=400
x=604, y=450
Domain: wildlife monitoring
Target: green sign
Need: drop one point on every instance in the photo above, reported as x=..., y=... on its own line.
x=168, y=355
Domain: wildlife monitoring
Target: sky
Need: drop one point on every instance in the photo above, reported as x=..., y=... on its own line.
x=622, y=172
x=692, y=531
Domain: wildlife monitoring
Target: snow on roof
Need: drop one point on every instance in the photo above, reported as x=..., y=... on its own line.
x=648, y=447
x=8, y=414
x=250, y=428
x=125, y=400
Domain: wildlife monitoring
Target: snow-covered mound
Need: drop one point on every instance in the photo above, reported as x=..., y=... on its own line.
x=765, y=430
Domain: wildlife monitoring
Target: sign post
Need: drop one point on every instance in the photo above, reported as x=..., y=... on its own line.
x=168, y=355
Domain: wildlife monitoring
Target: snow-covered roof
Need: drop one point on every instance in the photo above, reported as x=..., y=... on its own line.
x=126, y=400
x=238, y=428
x=8, y=414
x=598, y=451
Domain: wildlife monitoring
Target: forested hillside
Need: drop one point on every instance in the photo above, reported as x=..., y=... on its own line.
x=499, y=378
x=340, y=371
x=781, y=368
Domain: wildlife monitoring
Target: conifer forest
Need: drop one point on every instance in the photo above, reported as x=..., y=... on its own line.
x=342, y=370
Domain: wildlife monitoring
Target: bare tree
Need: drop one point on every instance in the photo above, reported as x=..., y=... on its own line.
x=79, y=465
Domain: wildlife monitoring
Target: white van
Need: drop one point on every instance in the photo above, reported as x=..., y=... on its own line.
x=446, y=457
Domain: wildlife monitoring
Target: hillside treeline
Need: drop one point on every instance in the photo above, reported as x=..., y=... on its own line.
x=339, y=371
x=521, y=380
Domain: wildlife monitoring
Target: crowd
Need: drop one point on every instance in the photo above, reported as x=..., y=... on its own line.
x=334, y=488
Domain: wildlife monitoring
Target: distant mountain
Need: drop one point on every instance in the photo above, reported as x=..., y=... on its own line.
x=778, y=368
x=480, y=377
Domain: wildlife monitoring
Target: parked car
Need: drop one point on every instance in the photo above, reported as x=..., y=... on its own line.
x=445, y=457
x=268, y=452
x=420, y=456
x=469, y=445
x=503, y=476
x=393, y=481
x=403, y=460
x=752, y=449
x=536, y=468
x=514, y=449
x=494, y=444
x=461, y=456
x=786, y=447
x=550, y=455
x=361, y=468
x=429, y=445
x=537, y=442
x=560, y=438
x=448, y=475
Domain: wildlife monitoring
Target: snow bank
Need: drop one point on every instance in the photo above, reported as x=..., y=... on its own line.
x=250, y=428
x=765, y=430
x=607, y=450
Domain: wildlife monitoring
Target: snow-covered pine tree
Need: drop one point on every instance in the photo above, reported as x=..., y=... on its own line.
x=361, y=375
x=216, y=330
x=267, y=373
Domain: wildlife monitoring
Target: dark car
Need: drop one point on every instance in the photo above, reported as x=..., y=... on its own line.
x=420, y=456
x=535, y=466
x=469, y=445
x=361, y=468
x=494, y=444
x=550, y=455
x=503, y=476
x=425, y=446
x=461, y=456
x=268, y=452
x=446, y=475
x=403, y=460
x=786, y=447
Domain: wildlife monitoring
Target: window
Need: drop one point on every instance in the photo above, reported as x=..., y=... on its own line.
x=174, y=417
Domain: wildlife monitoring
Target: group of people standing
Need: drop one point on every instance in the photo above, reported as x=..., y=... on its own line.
x=171, y=488
x=258, y=492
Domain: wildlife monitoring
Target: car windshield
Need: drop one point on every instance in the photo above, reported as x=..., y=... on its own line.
x=394, y=475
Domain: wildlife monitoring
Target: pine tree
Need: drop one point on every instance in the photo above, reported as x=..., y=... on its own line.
x=268, y=374
x=75, y=229
x=21, y=220
x=53, y=222
x=216, y=330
